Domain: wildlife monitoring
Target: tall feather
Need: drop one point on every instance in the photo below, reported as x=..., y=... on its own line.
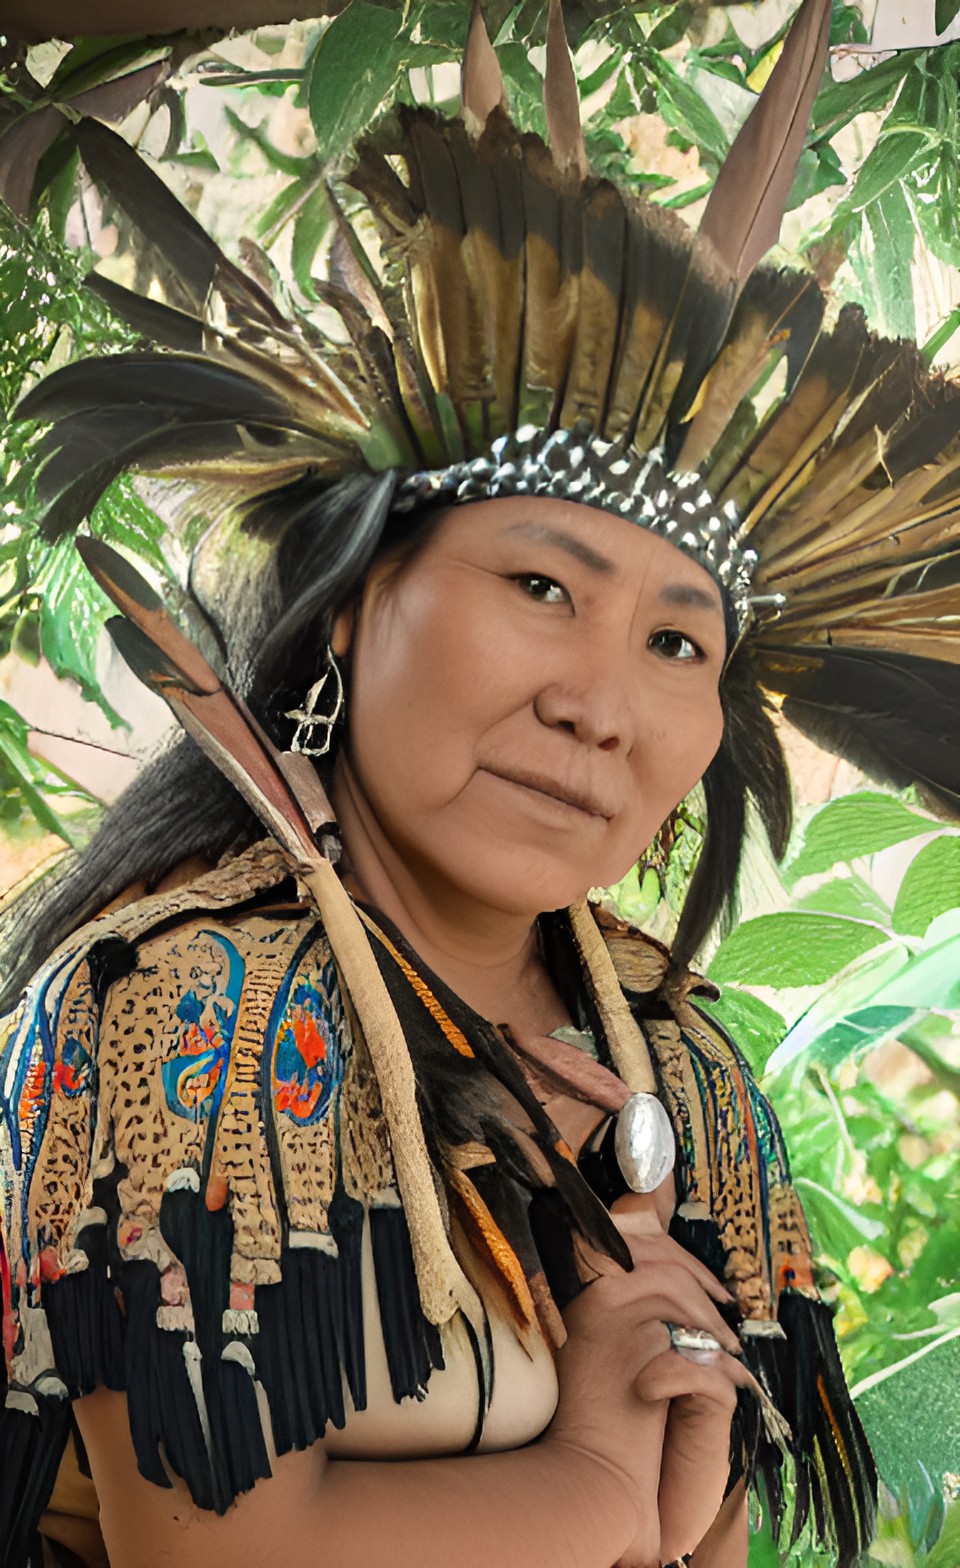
x=746, y=206
x=561, y=100
x=481, y=82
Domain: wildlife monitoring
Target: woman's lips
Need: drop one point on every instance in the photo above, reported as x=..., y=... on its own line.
x=542, y=784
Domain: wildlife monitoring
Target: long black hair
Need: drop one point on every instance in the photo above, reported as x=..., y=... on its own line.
x=301, y=555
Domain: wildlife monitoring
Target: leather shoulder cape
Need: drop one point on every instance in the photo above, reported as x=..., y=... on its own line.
x=191, y=1138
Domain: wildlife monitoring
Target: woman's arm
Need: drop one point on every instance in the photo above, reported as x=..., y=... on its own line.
x=551, y=1505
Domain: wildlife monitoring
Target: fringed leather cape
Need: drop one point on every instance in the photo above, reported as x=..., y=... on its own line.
x=191, y=1137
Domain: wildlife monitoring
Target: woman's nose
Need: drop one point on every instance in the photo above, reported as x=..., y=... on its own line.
x=595, y=712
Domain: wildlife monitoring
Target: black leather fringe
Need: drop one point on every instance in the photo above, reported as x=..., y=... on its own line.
x=412, y=1344
x=31, y=1448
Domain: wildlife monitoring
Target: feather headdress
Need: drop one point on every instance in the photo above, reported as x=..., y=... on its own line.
x=516, y=290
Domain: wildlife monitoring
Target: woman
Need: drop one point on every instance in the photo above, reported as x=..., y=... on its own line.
x=498, y=650
x=304, y=1178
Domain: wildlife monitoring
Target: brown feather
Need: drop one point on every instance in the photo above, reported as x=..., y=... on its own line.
x=748, y=200
x=561, y=100
x=481, y=83
x=594, y=347
x=553, y=261
x=778, y=316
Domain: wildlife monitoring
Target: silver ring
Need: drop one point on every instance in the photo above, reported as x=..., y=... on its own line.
x=682, y=1338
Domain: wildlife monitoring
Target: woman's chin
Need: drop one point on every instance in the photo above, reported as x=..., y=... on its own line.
x=521, y=882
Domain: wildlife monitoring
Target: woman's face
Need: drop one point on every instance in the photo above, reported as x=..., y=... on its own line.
x=530, y=696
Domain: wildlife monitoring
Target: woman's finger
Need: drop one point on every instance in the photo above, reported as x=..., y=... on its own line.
x=674, y=1375
x=641, y=1226
x=670, y=1299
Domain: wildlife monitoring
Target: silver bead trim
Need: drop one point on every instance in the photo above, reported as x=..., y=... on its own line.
x=577, y=465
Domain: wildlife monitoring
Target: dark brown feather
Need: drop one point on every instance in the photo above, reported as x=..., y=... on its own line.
x=561, y=99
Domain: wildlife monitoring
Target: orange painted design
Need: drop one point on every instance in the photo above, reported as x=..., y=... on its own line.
x=838, y=1442
x=50, y=1269
x=565, y=1151
x=241, y=1296
x=217, y=1192
x=307, y=1037
x=456, y=1036
x=499, y=1250
x=290, y=1097
x=32, y=1093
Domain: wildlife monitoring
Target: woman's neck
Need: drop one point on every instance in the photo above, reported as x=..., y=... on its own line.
x=490, y=957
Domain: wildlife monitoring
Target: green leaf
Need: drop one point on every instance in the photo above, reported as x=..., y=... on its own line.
x=847, y=27
x=894, y=236
x=351, y=76
x=932, y=978
x=671, y=29
x=72, y=614
x=22, y=773
x=923, y=1383
x=866, y=93
x=283, y=207
x=684, y=110
x=946, y=1553
x=792, y=949
x=850, y=896
x=930, y=886
x=855, y=825
x=858, y=1033
x=309, y=229
x=944, y=13
x=524, y=87
x=889, y=163
x=821, y=1031
x=819, y=168
x=839, y=1225
x=756, y=1028
x=122, y=518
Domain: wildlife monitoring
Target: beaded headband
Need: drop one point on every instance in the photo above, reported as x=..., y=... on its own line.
x=577, y=465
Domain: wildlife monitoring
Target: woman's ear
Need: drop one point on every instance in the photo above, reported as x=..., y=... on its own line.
x=341, y=633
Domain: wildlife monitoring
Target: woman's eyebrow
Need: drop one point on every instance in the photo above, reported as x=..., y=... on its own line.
x=688, y=594
x=544, y=534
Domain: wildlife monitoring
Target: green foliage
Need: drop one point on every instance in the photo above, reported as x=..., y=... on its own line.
x=352, y=74
x=876, y=1157
x=47, y=603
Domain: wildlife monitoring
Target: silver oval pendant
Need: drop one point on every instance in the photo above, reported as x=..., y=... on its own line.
x=644, y=1143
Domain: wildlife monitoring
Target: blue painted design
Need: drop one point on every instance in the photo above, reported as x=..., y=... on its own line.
x=193, y=1079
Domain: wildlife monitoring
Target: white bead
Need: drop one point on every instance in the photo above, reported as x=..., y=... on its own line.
x=644, y=1143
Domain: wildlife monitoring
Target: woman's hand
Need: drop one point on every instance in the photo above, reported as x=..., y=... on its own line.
x=617, y=1364
x=700, y=1389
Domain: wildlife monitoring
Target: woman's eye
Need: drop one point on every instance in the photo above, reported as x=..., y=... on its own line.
x=674, y=645
x=546, y=590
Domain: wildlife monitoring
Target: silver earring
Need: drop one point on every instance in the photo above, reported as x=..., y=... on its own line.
x=307, y=718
